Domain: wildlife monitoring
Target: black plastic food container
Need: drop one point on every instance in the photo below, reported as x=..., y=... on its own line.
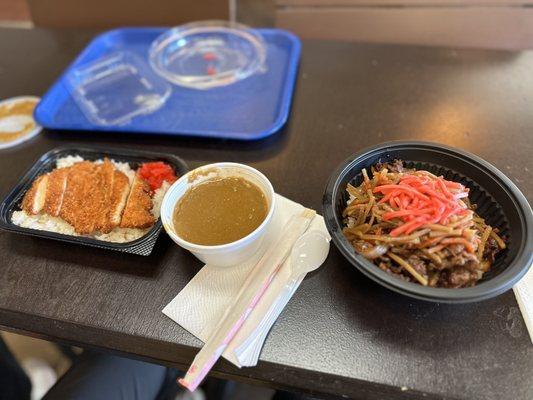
x=142, y=246
x=499, y=201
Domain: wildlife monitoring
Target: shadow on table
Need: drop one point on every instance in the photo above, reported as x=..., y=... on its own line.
x=411, y=324
x=190, y=147
x=89, y=257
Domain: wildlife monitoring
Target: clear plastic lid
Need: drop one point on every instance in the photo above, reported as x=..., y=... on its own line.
x=208, y=54
x=115, y=88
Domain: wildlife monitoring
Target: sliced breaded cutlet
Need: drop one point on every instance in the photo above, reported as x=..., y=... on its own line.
x=105, y=177
x=138, y=206
x=81, y=204
x=119, y=196
x=55, y=191
x=92, y=197
x=34, y=198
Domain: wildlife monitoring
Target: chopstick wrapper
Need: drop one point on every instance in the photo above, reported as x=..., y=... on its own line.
x=523, y=291
x=200, y=305
x=249, y=295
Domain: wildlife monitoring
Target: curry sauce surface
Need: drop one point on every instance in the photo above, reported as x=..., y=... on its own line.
x=220, y=211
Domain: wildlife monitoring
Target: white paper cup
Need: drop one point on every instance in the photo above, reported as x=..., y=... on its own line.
x=223, y=255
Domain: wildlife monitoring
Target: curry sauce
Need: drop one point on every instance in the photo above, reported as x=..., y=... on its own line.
x=220, y=211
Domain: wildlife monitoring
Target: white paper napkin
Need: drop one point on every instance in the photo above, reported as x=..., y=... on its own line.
x=523, y=291
x=200, y=305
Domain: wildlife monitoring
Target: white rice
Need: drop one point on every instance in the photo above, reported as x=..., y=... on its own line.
x=42, y=222
x=45, y=222
x=157, y=199
x=68, y=161
x=123, y=167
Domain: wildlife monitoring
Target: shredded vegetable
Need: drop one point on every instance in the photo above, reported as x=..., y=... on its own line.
x=419, y=227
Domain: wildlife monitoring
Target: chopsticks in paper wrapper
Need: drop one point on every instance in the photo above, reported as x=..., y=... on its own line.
x=251, y=292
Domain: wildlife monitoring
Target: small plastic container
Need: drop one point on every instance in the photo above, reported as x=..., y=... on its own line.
x=116, y=88
x=228, y=254
x=208, y=54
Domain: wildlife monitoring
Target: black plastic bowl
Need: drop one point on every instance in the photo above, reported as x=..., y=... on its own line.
x=499, y=201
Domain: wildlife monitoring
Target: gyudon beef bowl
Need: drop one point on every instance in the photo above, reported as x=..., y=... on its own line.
x=430, y=221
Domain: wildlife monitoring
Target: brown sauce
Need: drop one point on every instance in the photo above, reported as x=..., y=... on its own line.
x=18, y=109
x=220, y=211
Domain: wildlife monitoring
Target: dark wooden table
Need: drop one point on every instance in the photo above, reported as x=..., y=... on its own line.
x=341, y=334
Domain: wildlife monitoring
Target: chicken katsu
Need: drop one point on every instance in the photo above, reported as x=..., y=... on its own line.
x=34, y=199
x=138, y=205
x=81, y=198
x=55, y=191
x=119, y=196
x=94, y=198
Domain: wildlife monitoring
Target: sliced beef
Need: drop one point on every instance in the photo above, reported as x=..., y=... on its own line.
x=418, y=264
x=458, y=277
x=457, y=257
x=491, y=249
x=393, y=166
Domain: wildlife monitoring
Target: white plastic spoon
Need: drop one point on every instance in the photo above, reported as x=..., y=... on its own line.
x=308, y=253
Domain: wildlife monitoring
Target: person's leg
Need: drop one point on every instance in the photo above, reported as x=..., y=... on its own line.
x=282, y=395
x=98, y=376
x=14, y=384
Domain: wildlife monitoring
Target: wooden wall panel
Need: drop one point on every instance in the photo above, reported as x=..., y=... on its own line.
x=420, y=3
x=486, y=27
x=112, y=13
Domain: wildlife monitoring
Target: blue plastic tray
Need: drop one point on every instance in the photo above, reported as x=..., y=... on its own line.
x=248, y=110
